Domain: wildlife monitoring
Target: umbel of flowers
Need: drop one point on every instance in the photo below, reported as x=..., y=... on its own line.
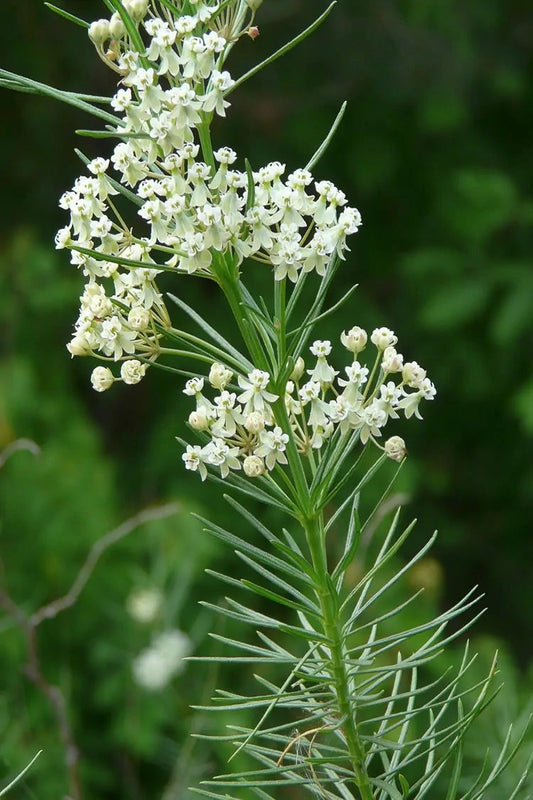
x=241, y=425
x=190, y=211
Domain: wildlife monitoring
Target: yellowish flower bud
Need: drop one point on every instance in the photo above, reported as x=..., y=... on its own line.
x=298, y=370
x=395, y=448
x=116, y=26
x=198, y=420
x=99, y=32
x=254, y=466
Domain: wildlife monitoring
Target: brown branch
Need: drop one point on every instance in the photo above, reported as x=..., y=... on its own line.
x=52, y=609
x=16, y=446
x=29, y=626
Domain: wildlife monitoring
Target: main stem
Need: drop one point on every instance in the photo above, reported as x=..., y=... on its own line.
x=328, y=598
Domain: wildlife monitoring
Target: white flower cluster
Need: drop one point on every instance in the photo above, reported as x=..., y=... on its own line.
x=242, y=427
x=154, y=667
x=193, y=213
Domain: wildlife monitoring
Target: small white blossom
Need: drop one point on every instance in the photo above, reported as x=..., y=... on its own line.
x=102, y=379
x=272, y=447
x=395, y=448
x=355, y=340
x=144, y=604
x=383, y=338
x=195, y=459
x=154, y=667
x=132, y=371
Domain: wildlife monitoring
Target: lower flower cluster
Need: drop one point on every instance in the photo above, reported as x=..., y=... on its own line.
x=242, y=430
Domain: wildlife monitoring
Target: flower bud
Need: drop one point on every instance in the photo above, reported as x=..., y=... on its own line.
x=139, y=318
x=355, y=340
x=413, y=374
x=102, y=379
x=132, y=371
x=298, y=370
x=116, y=26
x=383, y=338
x=219, y=376
x=198, y=420
x=79, y=346
x=392, y=361
x=137, y=9
x=255, y=422
x=254, y=5
x=99, y=32
x=253, y=32
x=254, y=466
x=395, y=448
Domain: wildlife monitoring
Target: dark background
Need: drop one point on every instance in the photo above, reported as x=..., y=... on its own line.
x=435, y=150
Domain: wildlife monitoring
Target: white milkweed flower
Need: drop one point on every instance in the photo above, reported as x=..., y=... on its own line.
x=411, y=401
x=373, y=418
x=322, y=372
x=194, y=460
x=193, y=386
x=395, y=448
x=228, y=414
x=310, y=393
x=392, y=361
x=132, y=371
x=255, y=395
x=218, y=453
x=383, y=338
x=357, y=376
x=413, y=374
x=219, y=376
x=272, y=447
x=154, y=667
x=355, y=339
x=102, y=379
x=144, y=604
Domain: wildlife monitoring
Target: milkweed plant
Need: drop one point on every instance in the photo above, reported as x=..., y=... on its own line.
x=356, y=713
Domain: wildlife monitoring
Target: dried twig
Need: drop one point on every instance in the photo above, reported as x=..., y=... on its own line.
x=29, y=625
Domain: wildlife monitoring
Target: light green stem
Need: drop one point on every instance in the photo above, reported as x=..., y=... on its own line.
x=329, y=604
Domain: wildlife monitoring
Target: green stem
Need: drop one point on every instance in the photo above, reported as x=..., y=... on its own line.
x=232, y=291
x=280, y=321
x=329, y=604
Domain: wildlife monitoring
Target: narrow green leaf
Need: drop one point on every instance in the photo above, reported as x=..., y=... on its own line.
x=7, y=788
x=286, y=48
x=453, y=786
x=67, y=16
x=211, y=332
x=250, y=198
x=327, y=141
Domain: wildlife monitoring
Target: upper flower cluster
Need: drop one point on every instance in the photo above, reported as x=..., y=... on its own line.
x=192, y=213
x=244, y=432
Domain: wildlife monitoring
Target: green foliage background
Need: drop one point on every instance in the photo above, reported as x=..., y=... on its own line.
x=435, y=150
